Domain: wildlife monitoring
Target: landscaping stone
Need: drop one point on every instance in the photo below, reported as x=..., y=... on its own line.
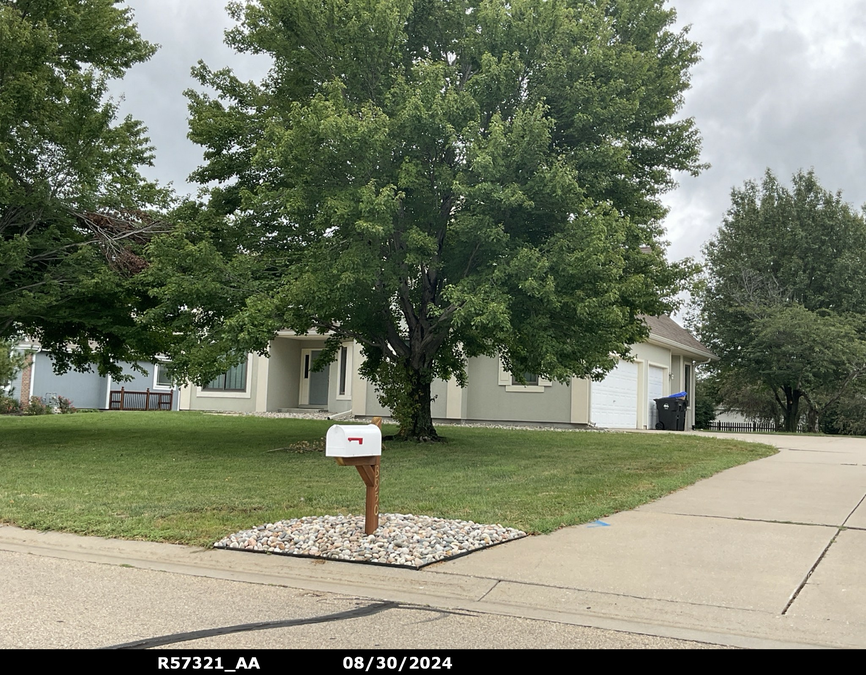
x=401, y=540
x=318, y=415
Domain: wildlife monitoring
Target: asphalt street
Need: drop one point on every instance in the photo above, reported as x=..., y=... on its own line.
x=51, y=603
x=765, y=555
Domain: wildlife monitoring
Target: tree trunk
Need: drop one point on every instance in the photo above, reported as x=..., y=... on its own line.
x=813, y=420
x=814, y=414
x=419, y=425
x=791, y=410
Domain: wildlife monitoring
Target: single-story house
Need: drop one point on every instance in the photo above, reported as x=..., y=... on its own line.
x=284, y=380
x=149, y=390
x=731, y=417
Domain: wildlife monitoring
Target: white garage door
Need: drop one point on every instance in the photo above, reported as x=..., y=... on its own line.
x=614, y=399
x=656, y=390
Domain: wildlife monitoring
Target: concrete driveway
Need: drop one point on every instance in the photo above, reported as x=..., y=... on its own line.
x=774, y=550
x=769, y=554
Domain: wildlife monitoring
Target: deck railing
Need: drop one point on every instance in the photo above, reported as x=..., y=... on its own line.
x=140, y=400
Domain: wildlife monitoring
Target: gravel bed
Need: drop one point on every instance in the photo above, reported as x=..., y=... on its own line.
x=526, y=427
x=443, y=426
x=401, y=540
x=312, y=415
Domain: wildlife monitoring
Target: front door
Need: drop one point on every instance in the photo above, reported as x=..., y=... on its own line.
x=314, y=385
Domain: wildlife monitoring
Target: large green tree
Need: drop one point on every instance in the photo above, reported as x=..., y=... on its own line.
x=73, y=206
x=785, y=301
x=436, y=180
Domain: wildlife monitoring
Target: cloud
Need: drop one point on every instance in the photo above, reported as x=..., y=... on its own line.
x=187, y=31
x=781, y=86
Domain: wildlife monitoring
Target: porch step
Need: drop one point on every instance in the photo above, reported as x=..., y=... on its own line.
x=306, y=409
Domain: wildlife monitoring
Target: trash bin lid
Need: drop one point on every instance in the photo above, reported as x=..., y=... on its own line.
x=682, y=395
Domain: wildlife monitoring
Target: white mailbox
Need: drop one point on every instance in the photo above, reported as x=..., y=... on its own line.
x=353, y=440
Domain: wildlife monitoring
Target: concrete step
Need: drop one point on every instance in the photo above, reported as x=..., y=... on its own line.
x=304, y=409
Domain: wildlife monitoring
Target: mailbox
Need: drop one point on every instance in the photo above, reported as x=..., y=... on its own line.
x=360, y=445
x=353, y=440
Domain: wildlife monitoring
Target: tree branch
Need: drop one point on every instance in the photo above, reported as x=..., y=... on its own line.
x=778, y=400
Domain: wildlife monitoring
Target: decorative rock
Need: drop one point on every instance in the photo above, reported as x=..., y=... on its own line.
x=319, y=415
x=401, y=540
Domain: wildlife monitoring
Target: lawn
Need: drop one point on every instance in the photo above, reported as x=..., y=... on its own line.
x=193, y=478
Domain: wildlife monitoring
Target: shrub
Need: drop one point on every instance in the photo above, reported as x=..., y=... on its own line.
x=9, y=406
x=65, y=405
x=705, y=413
x=36, y=407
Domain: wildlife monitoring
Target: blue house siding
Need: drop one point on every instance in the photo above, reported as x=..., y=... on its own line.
x=15, y=391
x=86, y=389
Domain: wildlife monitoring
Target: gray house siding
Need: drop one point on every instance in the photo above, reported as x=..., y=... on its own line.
x=374, y=408
x=284, y=374
x=336, y=403
x=488, y=400
x=484, y=399
x=439, y=392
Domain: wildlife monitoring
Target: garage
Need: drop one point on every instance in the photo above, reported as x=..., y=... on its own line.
x=614, y=399
x=656, y=384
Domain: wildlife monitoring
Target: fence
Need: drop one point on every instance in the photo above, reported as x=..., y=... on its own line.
x=140, y=400
x=748, y=427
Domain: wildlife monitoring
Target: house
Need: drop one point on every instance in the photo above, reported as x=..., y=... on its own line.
x=284, y=380
x=151, y=389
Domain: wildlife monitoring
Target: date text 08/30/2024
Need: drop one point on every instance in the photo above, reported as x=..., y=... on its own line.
x=350, y=663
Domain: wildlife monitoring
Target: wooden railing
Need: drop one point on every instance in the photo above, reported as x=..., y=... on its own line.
x=140, y=400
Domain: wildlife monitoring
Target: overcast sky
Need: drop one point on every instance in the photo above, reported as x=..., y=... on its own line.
x=782, y=85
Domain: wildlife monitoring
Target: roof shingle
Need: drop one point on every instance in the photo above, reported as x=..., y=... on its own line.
x=665, y=327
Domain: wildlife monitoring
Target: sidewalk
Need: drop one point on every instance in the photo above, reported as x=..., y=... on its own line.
x=763, y=555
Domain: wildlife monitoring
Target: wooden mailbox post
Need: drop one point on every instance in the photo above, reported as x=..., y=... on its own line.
x=346, y=444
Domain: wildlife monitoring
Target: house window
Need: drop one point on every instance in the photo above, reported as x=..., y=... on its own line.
x=161, y=380
x=234, y=379
x=529, y=380
x=344, y=378
x=344, y=351
x=534, y=384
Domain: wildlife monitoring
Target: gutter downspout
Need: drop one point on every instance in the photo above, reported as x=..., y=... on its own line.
x=33, y=372
x=108, y=391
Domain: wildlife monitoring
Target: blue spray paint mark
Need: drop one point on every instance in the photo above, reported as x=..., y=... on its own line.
x=599, y=523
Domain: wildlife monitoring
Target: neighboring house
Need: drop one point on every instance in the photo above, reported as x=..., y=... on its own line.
x=663, y=364
x=731, y=417
x=90, y=389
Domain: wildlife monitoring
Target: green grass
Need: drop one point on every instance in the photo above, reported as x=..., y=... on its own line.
x=193, y=478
